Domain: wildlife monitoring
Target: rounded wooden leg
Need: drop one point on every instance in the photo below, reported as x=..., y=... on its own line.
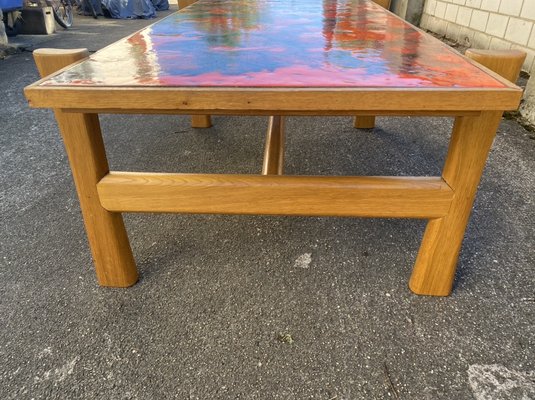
x=49, y=61
x=112, y=255
x=436, y=263
x=507, y=63
x=274, y=149
x=114, y=262
x=383, y=3
x=201, y=121
x=184, y=3
x=364, y=122
x=434, y=271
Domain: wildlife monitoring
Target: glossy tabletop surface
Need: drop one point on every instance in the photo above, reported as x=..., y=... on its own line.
x=278, y=43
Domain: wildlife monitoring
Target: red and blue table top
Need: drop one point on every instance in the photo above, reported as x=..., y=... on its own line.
x=279, y=43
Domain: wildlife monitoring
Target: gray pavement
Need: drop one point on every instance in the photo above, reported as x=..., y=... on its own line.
x=236, y=307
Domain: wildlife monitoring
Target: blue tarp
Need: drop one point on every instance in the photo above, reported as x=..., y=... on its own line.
x=9, y=5
x=160, y=5
x=134, y=8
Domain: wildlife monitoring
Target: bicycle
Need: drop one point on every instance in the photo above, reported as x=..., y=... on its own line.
x=63, y=12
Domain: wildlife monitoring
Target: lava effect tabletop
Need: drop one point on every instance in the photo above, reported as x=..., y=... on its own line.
x=276, y=43
x=344, y=45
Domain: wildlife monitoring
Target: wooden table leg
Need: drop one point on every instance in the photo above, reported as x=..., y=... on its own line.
x=201, y=121
x=184, y=3
x=114, y=262
x=274, y=150
x=197, y=121
x=507, y=63
x=435, y=266
x=364, y=122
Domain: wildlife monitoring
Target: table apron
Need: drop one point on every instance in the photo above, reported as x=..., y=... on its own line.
x=398, y=113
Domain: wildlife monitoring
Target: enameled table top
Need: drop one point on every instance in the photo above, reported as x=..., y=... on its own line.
x=278, y=43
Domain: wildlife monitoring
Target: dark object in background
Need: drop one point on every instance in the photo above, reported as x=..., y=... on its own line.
x=160, y=5
x=37, y=21
x=11, y=10
x=91, y=8
x=133, y=8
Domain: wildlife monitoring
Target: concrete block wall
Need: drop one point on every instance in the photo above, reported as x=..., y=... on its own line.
x=485, y=24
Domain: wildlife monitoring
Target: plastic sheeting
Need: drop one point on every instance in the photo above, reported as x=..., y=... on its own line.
x=133, y=8
x=160, y=5
x=10, y=5
x=88, y=10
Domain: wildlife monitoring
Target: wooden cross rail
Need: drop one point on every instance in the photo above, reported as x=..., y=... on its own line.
x=387, y=197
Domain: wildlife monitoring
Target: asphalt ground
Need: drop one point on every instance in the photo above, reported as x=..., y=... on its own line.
x=250, y=307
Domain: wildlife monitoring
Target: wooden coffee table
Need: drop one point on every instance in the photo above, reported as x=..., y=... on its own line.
x=278, y=58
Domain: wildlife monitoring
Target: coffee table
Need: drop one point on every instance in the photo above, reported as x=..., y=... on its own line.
x=278, y=58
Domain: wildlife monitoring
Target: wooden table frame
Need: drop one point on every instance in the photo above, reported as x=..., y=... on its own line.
x=446, y=201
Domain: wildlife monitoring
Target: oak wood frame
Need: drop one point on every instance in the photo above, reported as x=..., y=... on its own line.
x=446, y=201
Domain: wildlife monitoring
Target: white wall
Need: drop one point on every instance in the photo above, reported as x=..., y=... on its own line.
x=485, y=24
x=489, y=24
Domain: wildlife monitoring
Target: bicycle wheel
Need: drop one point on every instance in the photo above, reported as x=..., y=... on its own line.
x=63, y=13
